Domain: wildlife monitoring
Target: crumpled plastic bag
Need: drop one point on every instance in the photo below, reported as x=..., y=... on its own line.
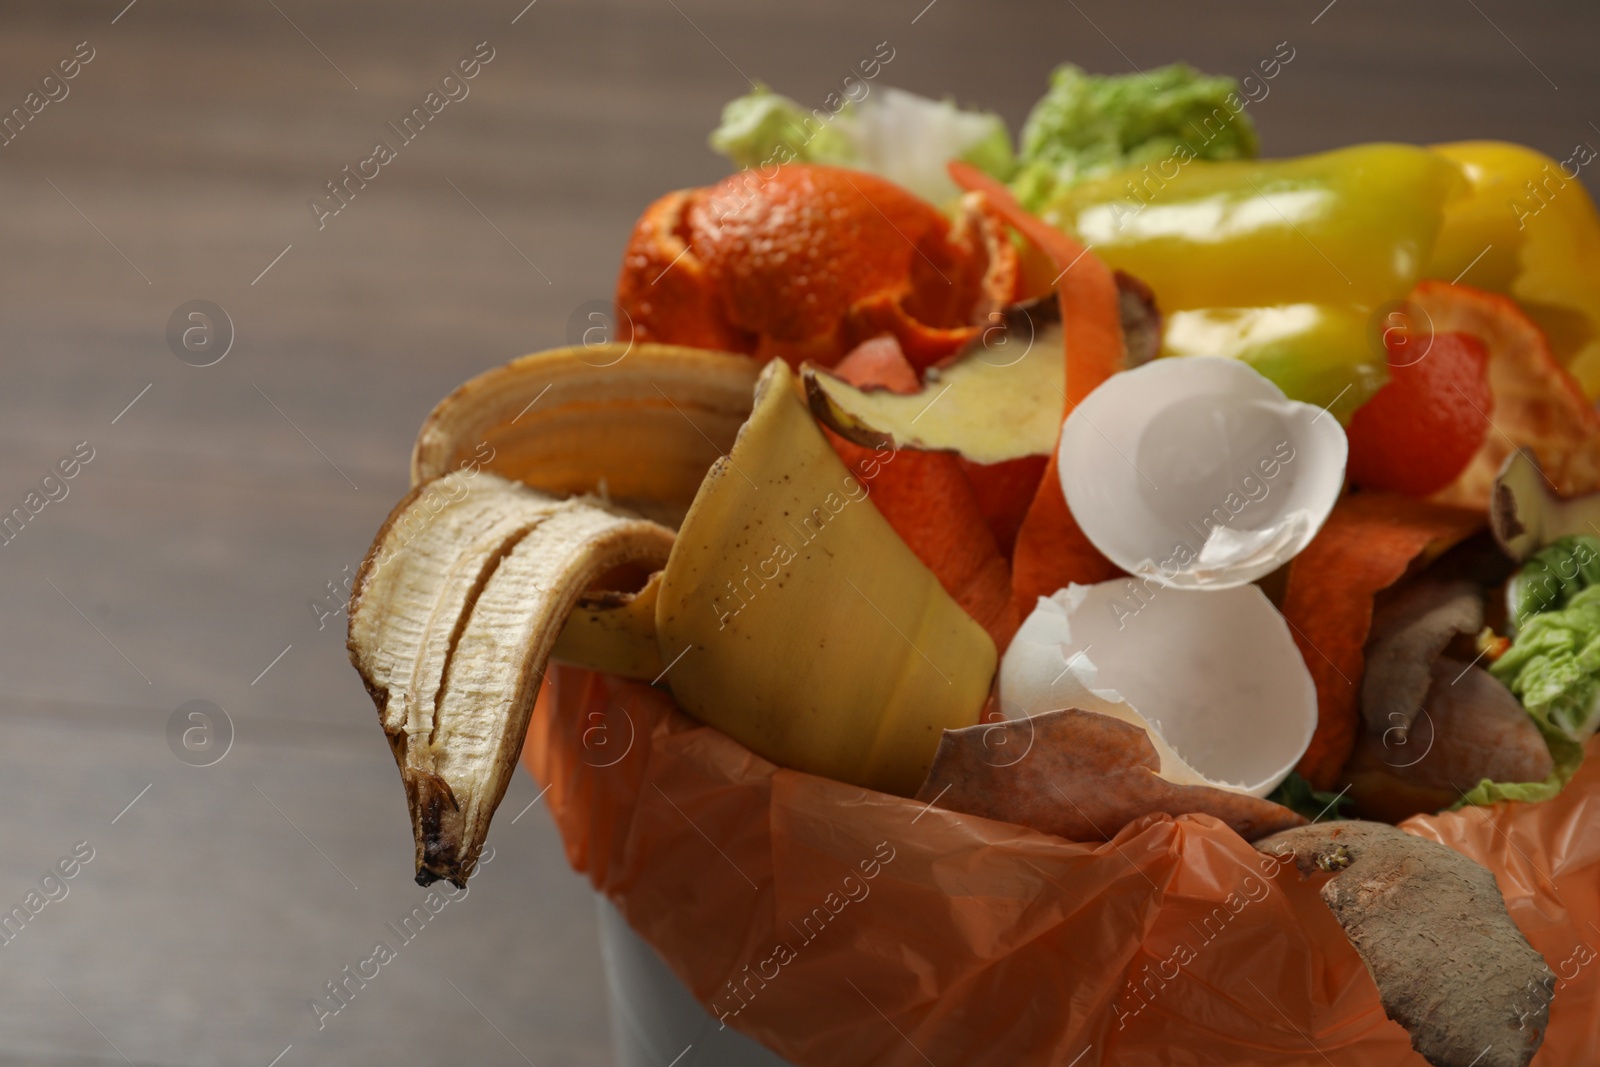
x=840, y=926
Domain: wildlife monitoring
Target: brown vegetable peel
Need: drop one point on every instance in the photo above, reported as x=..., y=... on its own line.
x=1431, y=926
x=1078, y=774
x=1409, y=631
x=1472, y=729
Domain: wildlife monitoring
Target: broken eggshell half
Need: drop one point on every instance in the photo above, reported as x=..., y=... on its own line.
x=1198, y=472
x=1213, y=677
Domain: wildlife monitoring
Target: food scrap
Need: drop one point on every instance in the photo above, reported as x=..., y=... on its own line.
x=1079, y=774
x=809, y=262
x=1102, y=478
x=1472, y=998
x=1418, y=433
x=1199, y=473
x=1233, y=708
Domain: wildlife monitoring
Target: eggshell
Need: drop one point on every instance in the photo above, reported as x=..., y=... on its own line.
x=1198, y=472
x=1213, y=676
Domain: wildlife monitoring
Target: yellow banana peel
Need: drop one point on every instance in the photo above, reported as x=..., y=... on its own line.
x=786, y=612
x=452, y=618
x=614, y=631
x=637, y=424
x=795, y=620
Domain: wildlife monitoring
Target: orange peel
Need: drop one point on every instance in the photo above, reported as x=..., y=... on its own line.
x=805, y=262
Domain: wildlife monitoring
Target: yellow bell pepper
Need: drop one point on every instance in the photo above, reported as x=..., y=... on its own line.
x=1527, y=228
x=1322, y=354
x=1283, y=263
x=1352, y=226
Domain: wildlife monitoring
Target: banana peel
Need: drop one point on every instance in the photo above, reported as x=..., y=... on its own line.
x=794, y=619
x=452, y=618
x=850, y=664
x=614, y=631
x=638, y=424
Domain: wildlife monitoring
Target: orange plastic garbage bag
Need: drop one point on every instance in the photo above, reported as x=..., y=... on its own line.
x=842, y=927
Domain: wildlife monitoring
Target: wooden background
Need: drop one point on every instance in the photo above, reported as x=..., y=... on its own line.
x=185, y=559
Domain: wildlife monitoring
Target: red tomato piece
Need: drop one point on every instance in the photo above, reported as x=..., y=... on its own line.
x=1420, y=431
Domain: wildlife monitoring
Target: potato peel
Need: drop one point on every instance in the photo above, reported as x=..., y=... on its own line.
x=999, y=401
x=1431, y=926
x=1080, y=775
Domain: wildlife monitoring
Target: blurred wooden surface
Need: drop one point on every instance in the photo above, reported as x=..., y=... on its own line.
x=220, y=503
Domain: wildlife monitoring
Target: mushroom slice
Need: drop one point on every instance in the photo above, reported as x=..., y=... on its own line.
x=1525, y=513
x=1472, y=729
x=1409, y=631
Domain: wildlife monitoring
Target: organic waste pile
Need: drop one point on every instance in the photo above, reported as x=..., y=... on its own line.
x=1120, y=475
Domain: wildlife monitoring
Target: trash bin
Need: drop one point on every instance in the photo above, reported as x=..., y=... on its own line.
x=655, y=1020
x=994, y=944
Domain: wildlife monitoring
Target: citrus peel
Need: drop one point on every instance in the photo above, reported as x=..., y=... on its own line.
x=804, y=262
x=1051, y=551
